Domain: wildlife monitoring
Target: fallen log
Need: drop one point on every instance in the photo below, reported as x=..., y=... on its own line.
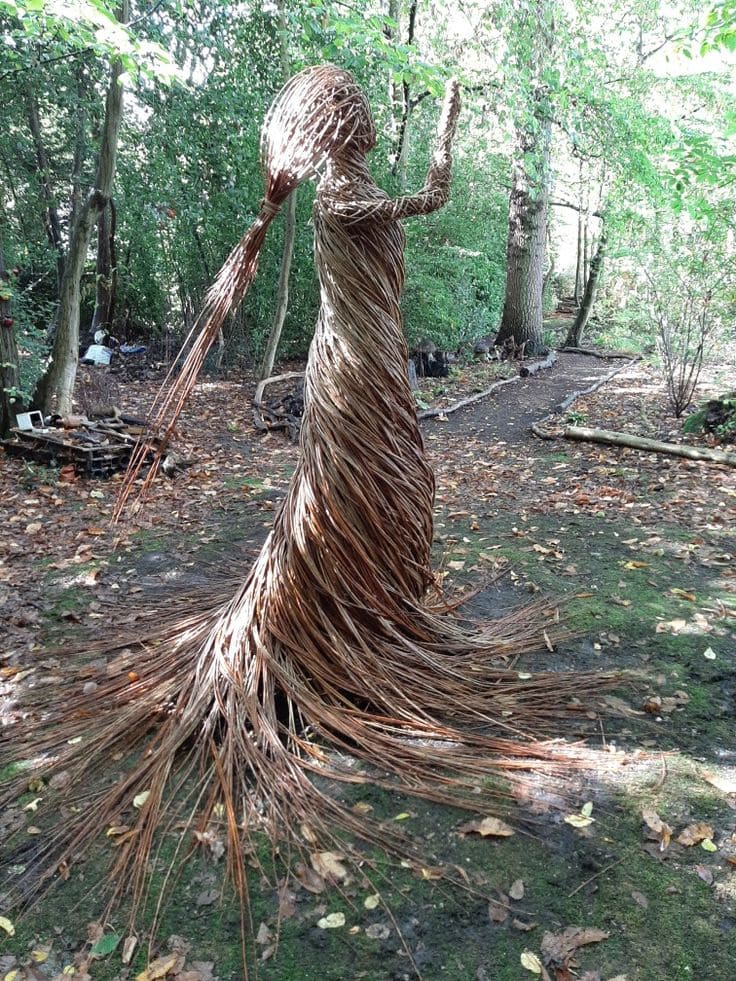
x=531, y=369
x=607, y=436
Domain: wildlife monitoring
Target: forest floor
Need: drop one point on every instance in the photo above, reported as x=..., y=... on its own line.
x=639, y=549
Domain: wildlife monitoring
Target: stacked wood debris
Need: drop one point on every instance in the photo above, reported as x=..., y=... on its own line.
x=97, y=446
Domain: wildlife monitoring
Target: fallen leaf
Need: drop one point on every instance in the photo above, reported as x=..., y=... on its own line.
x=207, y=897
x=370, y=902
x=531, y=962
x=309, y=878
x=558, y=949
x=708, y=846
x=517, y=889
x=640, y=899
x=105, y=945
x=496, y=912
x=487, y=827
x=726, y=784
x=525, y=927
x=60, y=780
x=709, y=654
x=693, y=834
x=140, y=799
x=161, y=967
x=636, y=564
x=332, y=921
x=329, y=865
x=378, y=931
x=129, y=949
x=655, y=823
x=683, y=594
x=7, y=926
x=704, y=873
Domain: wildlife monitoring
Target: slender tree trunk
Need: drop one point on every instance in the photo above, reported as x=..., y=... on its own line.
x=282, y=293
x=575, y=334
x=394, y=88
x=402, y=147
x=51, y=222
x=79, y=146
x=55, y=389
x=521, y=323
x=106, y=275
x=9, y=375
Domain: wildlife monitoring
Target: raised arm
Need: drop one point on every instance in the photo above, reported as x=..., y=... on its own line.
x=432, y=196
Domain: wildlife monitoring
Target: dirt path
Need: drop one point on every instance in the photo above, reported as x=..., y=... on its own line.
x=506, y=415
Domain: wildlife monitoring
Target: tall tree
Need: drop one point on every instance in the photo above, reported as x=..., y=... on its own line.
x=521, y=322
x=55, y=388
x=282, y=290
x=9, y=364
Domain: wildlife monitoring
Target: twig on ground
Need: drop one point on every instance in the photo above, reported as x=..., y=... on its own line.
x=594, y=877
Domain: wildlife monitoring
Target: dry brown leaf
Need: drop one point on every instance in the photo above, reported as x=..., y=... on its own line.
x=309, y=879
x=558, y=949
x=487, y=827
x=704, y=873
x=660, y=828
x=525, y=927
x=725, y=784
x=329, y=865
x=693, y=834
x=496, y=912
x=517, y=889
x=161, y=967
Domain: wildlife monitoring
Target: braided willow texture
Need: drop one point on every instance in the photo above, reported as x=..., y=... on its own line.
x=331, y=640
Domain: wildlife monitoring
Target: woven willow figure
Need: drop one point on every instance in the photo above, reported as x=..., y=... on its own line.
x=330, y=641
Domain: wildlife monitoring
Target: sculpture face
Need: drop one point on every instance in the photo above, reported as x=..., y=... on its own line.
x=320, y=114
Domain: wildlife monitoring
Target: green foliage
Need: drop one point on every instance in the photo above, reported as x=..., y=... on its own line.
x=655, y=152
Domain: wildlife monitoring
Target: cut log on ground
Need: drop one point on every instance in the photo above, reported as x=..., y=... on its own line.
x=531, y=369
x=611, y=438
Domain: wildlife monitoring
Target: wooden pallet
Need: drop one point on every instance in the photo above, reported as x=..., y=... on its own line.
x=90, y=459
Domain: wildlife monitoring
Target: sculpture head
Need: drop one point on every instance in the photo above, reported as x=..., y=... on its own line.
x=320, y=113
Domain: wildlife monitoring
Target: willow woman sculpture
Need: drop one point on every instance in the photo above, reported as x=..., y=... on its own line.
x=330, y=641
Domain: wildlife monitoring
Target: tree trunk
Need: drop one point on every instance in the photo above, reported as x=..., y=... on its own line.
x=51, y=222
x=79, y=145
x=402, y=145
x=394, y=88
x=9, y=376
x=521, y=323
x=282, y=293
x=575, y=334
x=106, y=273
x=56, y=387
